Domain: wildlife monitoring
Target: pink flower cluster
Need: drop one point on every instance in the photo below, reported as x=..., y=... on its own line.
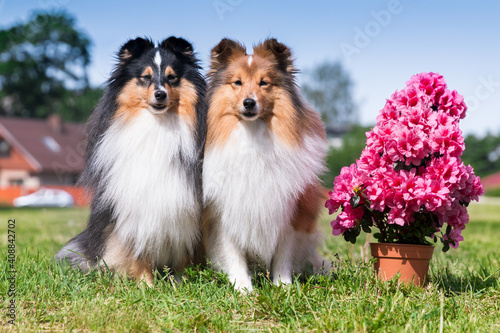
x=411, y=165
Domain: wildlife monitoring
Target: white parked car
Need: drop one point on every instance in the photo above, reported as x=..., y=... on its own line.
x=45, y=197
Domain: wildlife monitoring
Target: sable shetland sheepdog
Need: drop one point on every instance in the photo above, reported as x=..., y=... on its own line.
x=265, y=149
x=145, y=144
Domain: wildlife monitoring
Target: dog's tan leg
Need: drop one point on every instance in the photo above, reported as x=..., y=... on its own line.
x=118, y=258
x=141, y=270
x=307, y=235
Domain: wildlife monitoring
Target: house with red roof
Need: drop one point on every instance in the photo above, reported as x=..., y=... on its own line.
x=36, y=153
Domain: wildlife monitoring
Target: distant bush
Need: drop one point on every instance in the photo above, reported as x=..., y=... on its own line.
x=482, y=153
x=353, y=143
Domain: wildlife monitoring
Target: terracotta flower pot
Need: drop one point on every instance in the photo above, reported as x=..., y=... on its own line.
x=412, y=261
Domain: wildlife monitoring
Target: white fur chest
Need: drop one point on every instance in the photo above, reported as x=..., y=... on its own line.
x=154, y=202
x=253, y=183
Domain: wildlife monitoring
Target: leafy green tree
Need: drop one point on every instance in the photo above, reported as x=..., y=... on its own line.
x=43, y=68
x=353, y=143
x=76, y=105
x=329, y=88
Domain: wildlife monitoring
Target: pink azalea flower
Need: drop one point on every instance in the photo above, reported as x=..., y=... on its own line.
x=412, y=145
x=448, y=169
x=455, y=235
x=430, y=82
x=391, y=150
x=418, y=118
x=433, y=194
x=388, y=113
x=477, y=189
x=411, y=165
x=443, y=119
x=349, y=180
x=410, y=97
x=371, y=162
x=453, y=104
x=378, y=191
x=447, y=140
x=333, y=204
x=347, y=219
x=458, y=217
x=399, y=217
x=471, y=188
x=378, y=137
x=374, y=140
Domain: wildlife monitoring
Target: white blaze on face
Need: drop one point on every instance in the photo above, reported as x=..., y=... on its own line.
x=250, y=61
x=158, y=60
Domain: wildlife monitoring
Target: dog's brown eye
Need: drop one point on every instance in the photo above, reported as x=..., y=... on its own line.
x=238, y=83
x=146, y=77
x=263, y=83
x=171, y=77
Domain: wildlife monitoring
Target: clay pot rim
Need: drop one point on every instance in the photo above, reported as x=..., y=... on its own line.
x=406, y=251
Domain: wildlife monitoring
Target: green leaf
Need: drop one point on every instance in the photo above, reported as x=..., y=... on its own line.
x=347, y=235
x=355, y=201
x=418, y=234
x=354, y=235
x=446, y=247
x=353, y=239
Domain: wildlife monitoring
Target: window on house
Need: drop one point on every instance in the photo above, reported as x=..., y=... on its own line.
x=50, y=143
x=15, y=182
x=4, y=148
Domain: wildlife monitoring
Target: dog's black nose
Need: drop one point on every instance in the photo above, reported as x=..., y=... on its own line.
x=249, y=103
x=160, y=95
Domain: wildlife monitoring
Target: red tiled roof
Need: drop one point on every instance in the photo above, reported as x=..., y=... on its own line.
x=492, y=180
x=34, y=139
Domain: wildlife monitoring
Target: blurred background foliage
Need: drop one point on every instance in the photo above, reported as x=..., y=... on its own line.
x=43, y=68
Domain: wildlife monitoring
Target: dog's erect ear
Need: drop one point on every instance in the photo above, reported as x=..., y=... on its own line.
x=134, y=48
x=179, y=46
x=225, y=50
x=282, y=54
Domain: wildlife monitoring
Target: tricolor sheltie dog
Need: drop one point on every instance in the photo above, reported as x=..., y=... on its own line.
x=265, y=149
x=145, y=144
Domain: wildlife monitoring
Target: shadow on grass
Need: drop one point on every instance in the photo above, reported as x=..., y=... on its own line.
x=345, y=277
x=470, y=281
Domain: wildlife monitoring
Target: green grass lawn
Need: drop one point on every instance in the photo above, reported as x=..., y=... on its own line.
x=463, y=294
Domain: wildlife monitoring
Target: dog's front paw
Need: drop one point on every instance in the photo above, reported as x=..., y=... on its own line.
x=282, y=280
x=323, y=267
x=242, y=283
x=244, y=289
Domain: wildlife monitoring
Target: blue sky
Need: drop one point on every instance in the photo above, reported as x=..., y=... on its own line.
x=381, y=43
